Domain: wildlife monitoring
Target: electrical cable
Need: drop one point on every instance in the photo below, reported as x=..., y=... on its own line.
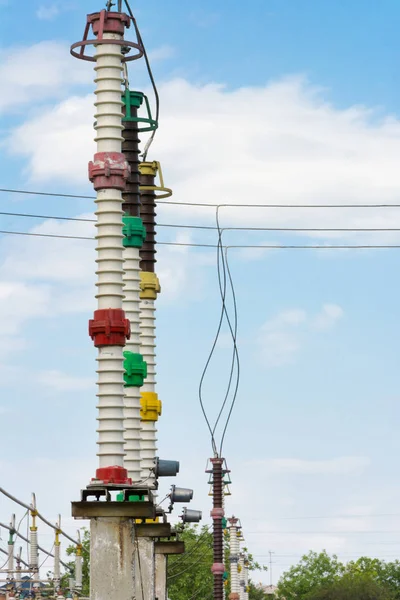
x=233, y=332
x=187, y=568
x=16, y=531
x=233, y=247
x=212, y=228
x=15, y=556
x=26, y=539
x=235, y=350
x=207, y=204
x=41, y=517
x=192, y=549
x=151, y=76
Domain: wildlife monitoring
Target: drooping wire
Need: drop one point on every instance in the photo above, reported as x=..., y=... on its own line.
x=151, y=76
x=222, y=283
x=17, y=532
x=197, y=544
x=233, y=331
x=235, y=350
x=186, y=569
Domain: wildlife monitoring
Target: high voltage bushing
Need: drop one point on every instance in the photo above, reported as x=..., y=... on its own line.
x=130, y=147
x=217, y=514
x=149, y=193
x=109, y=172
x=101, y=23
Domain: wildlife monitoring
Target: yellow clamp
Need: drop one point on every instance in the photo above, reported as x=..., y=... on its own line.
x=79, y=548
x=151, y=406
x=151, y=521
x=149, y=286
x=57, y=539
x=239, y=568
x=151, y=168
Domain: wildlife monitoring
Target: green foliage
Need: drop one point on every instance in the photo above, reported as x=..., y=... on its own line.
x=189, y=575
x=323, y=577
x=358, y=586
x=256, y=593
x=313, y=571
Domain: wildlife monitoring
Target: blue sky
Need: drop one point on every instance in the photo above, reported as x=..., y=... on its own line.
x=278, y=101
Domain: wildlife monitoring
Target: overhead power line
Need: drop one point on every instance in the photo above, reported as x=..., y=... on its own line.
x=214, y=228
x=229, y=247
x=41, y=517
x=209, y=204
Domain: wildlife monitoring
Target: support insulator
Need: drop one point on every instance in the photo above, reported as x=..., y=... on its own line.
x=148, y=215
x=78, y=568
x=217, y=514
x=109, y=172
x=131, y=150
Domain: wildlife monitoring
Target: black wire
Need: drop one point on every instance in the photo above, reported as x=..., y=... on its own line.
x=236, y=351
x=233, y=247
x=222, y=288
x=210, y=205
x=151, y=76
x=187, y=568
x=192, y=549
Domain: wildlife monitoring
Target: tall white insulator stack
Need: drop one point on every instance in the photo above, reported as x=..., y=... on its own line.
x=109, y=252
x=234, y=557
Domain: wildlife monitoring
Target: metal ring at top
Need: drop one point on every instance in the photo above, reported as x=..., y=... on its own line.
x=96, y=42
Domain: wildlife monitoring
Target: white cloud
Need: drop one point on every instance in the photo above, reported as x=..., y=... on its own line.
x=48, y=12
x=297, y=147
x=43, y=71
x=61, y=382
x=344, y=465
x=328, y=317
x=281, y=337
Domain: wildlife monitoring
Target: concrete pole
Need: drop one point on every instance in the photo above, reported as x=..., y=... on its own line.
x=161, y=576
x=112, y=548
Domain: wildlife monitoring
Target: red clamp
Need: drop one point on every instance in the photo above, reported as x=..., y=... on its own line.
x=113, y=475
x=109, y=327
x=108, y=22
x=109, y=170
x=218, y=569
x=217, y=513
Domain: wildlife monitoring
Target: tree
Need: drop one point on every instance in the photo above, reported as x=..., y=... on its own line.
x=189, y=575
x=312, y=572
x=256, y=592
x=352, y=586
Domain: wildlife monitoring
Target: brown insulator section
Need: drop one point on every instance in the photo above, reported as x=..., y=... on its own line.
x=148, y=215
x=217, y=526
x=130, y=147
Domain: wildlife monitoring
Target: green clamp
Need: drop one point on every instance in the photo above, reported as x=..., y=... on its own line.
x=134, y=100
x=135, y=369
x=225, y=576
x=224, y=522
x=134, y=232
